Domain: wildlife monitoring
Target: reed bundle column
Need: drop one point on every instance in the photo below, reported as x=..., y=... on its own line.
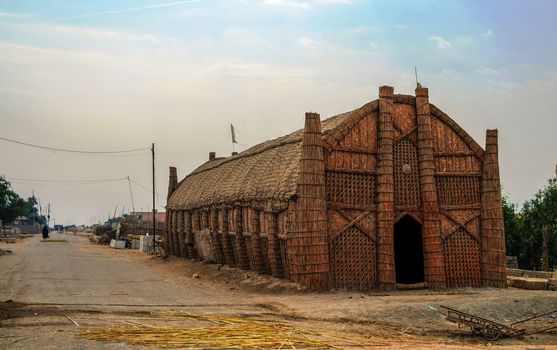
x=308, y=248
x=168, y=226
x=274, y=246
x=243, y=260
x=175, y=233
x=216, y=237
x=227, y=247
x=258, y=259
x=434, y=265
x=172, y=184
x=493, y=230
x=385, y=190
x=178, y=235
x=182, y=233
x=188, y=228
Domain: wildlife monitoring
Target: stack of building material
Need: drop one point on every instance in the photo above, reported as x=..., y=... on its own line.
x=533, y=280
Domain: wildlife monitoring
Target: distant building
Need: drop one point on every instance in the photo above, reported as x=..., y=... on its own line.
x=23, y=224
x=394, y=194
x=147, y=216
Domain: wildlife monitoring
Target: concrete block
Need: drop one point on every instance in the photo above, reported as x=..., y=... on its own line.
x=117, y=244
x=135, y=244
x=527, y=283
x=537, y=274
x=515, y=272
x=145, y=243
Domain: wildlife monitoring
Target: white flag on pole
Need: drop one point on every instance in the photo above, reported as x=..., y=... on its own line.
x=233, y=134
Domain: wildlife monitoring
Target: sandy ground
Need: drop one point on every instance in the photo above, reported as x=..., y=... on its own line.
x=51, y=292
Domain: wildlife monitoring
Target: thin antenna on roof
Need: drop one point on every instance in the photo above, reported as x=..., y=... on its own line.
x=418, y=85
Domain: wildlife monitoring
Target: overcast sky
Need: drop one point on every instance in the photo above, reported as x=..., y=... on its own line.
x=106, y=75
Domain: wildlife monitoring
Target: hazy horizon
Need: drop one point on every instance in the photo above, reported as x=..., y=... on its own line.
x=109, y=76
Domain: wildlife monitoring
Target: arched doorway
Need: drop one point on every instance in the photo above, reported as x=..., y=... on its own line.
x=409, y=252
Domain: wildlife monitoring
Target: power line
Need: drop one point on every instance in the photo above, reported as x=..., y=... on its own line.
x=145, y=188
x=65, y=181
x=73, y=151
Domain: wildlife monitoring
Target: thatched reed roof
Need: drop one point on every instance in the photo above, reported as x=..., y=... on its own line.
x=266, y=175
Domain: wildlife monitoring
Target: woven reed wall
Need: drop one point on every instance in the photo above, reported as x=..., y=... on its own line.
x=462, y=263
x=353, y=261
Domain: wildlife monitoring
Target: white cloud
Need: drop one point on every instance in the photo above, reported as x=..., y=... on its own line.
x=307, y=42
x=487, y=34
x=359, y=30
x=257, y=71
x=373, y=44
x=300, y=5
x=441, y=42
x=129, y=9
x=244, y=37
x=81, y=33
x=13, y=15
x=304, y=4
x=487, y=71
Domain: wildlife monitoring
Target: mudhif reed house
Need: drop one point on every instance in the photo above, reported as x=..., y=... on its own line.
x=392, y=195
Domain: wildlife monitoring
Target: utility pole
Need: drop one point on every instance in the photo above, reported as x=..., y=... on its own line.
x=154, y=210
x=48, y=217
x=34, y=215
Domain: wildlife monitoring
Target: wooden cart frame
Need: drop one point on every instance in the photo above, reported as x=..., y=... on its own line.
x=492, y=330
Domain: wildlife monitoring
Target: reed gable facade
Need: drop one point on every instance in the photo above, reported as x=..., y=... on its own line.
x=394, y=194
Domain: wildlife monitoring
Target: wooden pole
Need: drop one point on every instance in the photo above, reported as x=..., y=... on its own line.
x=154, y=208
x=545, y=248
x=434, y=266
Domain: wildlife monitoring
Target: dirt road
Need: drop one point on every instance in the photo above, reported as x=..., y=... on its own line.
x=51, y=293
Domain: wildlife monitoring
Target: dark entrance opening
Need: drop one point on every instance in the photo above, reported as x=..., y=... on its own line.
x=409, y=251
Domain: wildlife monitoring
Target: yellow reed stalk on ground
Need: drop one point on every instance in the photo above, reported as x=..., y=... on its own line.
x=227, y=332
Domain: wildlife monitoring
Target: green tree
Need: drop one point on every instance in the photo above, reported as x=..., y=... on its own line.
x=11, y=204
x=539, y=213
x=513, y=228
x=33, y=211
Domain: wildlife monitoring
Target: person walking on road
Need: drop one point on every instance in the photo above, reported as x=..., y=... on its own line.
x=45, y=231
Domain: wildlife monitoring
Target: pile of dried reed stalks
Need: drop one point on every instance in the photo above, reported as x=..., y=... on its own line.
x=227, y=332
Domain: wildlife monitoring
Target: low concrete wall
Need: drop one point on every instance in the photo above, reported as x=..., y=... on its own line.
x=529, y=273
x=28, y=229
